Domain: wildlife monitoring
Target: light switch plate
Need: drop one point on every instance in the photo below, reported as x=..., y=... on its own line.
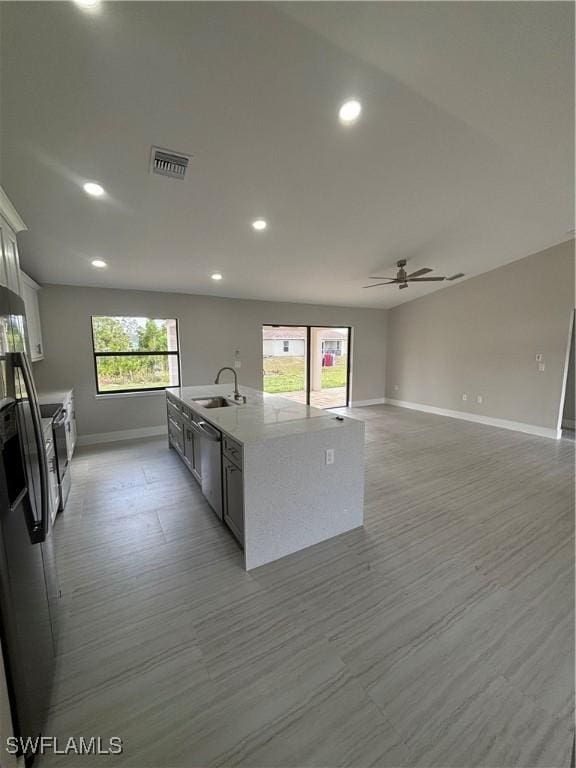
x=539, y=357
x=479, y=399
x=330, y=456
x=464, y=396
x=541, y=366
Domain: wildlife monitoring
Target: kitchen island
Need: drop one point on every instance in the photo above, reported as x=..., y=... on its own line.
x=281, y=475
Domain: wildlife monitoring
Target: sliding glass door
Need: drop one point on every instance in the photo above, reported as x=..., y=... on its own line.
x=308, y=364
x=329, y=367
x=285, y=361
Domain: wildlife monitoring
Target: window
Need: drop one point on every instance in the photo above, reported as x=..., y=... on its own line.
x=135, y=354
x=286, y=346
x=332, y=345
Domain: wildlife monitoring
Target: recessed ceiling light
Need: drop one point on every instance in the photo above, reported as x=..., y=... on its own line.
x=217, y=276
x=93, y=189
x=87, y=4
x=349, y=111
x=99, y=263
x=259, y=224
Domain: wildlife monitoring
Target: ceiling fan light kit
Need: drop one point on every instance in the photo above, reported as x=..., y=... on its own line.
x=402, y=278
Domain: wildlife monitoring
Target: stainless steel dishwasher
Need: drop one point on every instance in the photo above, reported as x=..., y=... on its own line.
x=210, y=449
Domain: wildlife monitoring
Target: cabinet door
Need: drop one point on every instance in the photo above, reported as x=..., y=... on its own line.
x=3, y=253
x=30, y=296
x=175, y=434
x=188, y=445
x=11, y=260
x=234, y=499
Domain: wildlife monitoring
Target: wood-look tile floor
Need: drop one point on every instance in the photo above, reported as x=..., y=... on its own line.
x=440, y=634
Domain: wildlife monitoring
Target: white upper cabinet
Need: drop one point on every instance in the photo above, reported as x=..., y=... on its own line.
x=29, y=293
x=10, y=224
x=10, y=270
x=12, y=278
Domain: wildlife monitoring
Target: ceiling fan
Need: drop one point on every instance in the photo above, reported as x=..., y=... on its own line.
x=402, y=278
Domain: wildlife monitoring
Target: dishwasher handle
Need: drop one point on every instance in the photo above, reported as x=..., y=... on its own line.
x=209, y=432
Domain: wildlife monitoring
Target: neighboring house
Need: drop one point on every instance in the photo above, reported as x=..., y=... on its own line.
x=291, y=342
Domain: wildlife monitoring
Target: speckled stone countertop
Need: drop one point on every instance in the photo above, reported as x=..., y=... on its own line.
x=262, y=417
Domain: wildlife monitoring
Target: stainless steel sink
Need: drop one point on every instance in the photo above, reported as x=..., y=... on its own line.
x=213, y=402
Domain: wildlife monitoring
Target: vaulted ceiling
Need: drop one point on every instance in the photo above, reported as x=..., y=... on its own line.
x=462, y=159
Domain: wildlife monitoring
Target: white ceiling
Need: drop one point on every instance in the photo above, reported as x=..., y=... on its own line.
x=462, y=159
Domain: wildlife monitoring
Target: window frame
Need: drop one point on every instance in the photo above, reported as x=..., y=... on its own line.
x=133, y=391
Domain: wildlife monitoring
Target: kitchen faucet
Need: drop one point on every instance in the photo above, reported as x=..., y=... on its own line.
x=237, y=395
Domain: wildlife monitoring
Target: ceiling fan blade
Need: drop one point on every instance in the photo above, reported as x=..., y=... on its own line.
x=425, y=279
x=423, y=271
x=456, y=276
x=375, y=285
x=384, y=277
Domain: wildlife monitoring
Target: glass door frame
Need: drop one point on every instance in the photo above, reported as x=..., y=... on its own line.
x=308, y=357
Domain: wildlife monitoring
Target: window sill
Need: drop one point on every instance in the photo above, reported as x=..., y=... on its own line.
x=115, y=395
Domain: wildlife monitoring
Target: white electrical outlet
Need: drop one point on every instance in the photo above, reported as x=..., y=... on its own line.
x=541, y=366
x=479, y=399
x=237, y=364
x=330, y=456
x=539, y=357
x=396, y=387
x=464, y=396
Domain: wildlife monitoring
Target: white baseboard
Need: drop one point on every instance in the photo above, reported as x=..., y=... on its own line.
x=516, y=426
x=362, y=403
x=569, y=423
x=122, y=434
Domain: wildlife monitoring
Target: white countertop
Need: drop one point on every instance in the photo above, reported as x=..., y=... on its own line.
x=262, y=417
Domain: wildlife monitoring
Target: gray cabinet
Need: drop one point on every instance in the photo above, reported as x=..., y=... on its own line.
x=183, y=434
x=215, y=461
x=175, y=431
x=188, y=454
x=233, y=498
x=192, y=448
x=232, y=450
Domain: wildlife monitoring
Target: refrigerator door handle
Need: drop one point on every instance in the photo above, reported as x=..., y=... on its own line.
x=38, y=529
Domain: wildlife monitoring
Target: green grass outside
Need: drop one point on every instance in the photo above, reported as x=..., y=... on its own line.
x=121, y=384
x=287, y=374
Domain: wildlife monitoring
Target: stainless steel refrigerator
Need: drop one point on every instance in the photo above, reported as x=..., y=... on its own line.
x=29, y=589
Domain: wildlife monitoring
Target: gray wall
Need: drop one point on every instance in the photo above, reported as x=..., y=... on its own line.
x=570, y=402
x=481, y=337
x=211, y=329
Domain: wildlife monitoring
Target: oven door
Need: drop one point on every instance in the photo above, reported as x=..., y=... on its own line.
x=59, y=430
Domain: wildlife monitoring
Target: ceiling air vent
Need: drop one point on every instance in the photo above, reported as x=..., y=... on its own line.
x=168, y=163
